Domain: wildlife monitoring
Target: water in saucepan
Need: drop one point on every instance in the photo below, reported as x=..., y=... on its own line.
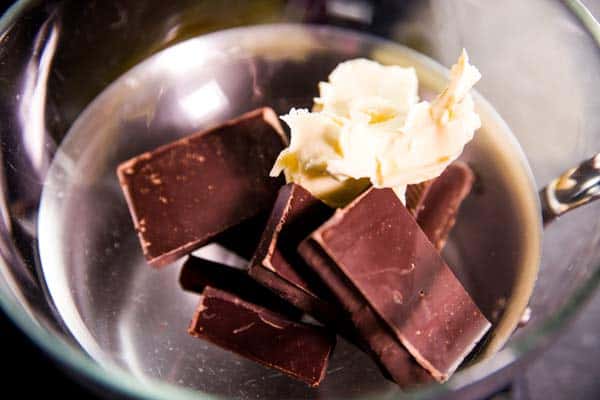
x=123, y=312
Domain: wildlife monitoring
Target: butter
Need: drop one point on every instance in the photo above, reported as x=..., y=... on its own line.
x=365, y=86
x=315, y=143
x=370, y=129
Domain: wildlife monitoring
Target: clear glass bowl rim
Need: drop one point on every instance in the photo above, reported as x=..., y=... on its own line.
x=120, y=381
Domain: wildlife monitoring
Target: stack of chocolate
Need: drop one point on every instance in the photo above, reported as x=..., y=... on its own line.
x=370, y=272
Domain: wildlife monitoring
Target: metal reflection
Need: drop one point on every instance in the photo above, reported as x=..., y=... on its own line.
x=32, y=108
x=203, y=102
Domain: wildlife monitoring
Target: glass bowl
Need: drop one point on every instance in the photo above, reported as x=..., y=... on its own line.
x=540, y=63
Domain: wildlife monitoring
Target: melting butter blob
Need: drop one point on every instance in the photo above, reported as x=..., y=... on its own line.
x=369, y=128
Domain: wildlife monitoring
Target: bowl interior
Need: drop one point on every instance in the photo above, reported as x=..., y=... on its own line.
x=123, y=312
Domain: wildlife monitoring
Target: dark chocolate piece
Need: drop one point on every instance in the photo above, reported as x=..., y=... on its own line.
x=381, y=343
x=435, y=203
x=243, y=238
x=311, y=305
x=185, y=193
x=295, y=215
x=297, y=349
x=415, y=196
x=441, y=202
x=277, y=264
x=198, y=273
x=329, y=313
x=380, y=248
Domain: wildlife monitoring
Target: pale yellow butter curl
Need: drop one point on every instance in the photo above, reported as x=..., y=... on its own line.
x=371, y=130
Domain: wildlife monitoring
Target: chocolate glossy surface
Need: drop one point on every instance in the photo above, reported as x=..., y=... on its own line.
x=374, y=335
x=380, y=248
x=184, y=193
x=297, y=349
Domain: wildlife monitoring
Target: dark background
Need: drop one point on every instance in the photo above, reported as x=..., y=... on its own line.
x=570, y=369
x=27, y=373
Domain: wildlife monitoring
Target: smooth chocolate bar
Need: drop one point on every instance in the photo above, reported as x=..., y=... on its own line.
x=277, y=263
x=435, y=203
x=442, y=200
x=379, y=341
x=377, y=244
x=185, y=193
x=294, y=348
x=198, y=273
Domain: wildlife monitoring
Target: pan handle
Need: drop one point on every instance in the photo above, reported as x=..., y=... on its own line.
x=574, y=188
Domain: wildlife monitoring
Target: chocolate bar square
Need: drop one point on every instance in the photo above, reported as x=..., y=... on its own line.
x=435, y=203
x=277, y=264
x=381, y=250
x=297, y=349
x=373, y=333
x=185, y=193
